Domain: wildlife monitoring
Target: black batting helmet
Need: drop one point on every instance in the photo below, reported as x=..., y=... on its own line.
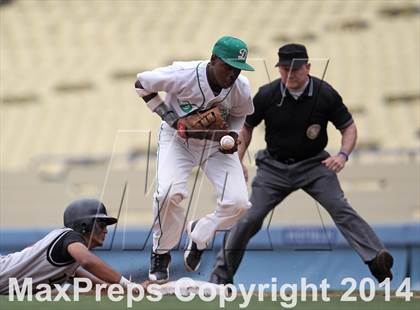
x=80, y=215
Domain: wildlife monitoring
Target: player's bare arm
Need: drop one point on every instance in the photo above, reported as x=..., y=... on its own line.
x=82, y=273
x=93, y=264
x=348, y=140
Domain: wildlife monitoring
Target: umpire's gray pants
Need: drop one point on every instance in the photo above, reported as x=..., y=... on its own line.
x=273, y=183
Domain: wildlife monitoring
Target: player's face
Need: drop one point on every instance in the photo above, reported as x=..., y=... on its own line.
x=223, y=74
x=99, y=234
x=294, y=79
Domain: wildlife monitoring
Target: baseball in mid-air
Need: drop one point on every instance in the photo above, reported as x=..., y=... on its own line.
x=227, y=142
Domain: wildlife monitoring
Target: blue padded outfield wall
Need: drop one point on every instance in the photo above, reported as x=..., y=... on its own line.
x=286, y=253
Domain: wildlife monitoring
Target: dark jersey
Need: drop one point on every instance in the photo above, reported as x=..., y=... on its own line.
x=297, y=128
x=58, y=253
x=46, y=261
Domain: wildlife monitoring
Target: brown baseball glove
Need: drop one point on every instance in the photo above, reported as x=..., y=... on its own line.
x=208, y=124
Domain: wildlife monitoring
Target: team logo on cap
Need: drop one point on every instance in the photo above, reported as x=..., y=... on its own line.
x=242, y=54
x=313, y=131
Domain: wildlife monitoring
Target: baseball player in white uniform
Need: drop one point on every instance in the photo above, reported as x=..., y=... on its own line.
x=65, y=252
x=191, y=88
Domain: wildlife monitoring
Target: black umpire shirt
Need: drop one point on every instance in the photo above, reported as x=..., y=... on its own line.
x=296, y=129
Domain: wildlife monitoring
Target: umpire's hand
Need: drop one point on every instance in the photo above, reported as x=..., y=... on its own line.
x=335, y=163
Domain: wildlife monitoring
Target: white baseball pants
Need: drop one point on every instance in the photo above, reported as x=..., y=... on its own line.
x=176, y=159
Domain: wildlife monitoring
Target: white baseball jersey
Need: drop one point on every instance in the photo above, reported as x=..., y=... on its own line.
x=188, y=89
x=37, y=262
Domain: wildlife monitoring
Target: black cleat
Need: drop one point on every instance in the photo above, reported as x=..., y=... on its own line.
x=381, y=265
x=159, y=267
x=192, y=255
x=214, y=278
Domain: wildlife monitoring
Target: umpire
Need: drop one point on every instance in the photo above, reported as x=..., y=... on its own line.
x=296, y=110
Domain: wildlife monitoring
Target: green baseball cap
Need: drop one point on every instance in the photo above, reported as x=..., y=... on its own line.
x=232, y=51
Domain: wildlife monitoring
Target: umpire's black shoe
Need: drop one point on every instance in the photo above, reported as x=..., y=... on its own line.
x=192, y=255
x=381, y=265
x=159, y=267
x=216, y=279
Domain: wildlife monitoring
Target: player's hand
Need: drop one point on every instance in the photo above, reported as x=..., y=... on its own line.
x=335, y=163
x=245, y=171
x=132, y=286
x=145, y=284
x=232, y=150
x=235, y=136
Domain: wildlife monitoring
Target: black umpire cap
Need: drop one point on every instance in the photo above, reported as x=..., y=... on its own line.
x=292, y=55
